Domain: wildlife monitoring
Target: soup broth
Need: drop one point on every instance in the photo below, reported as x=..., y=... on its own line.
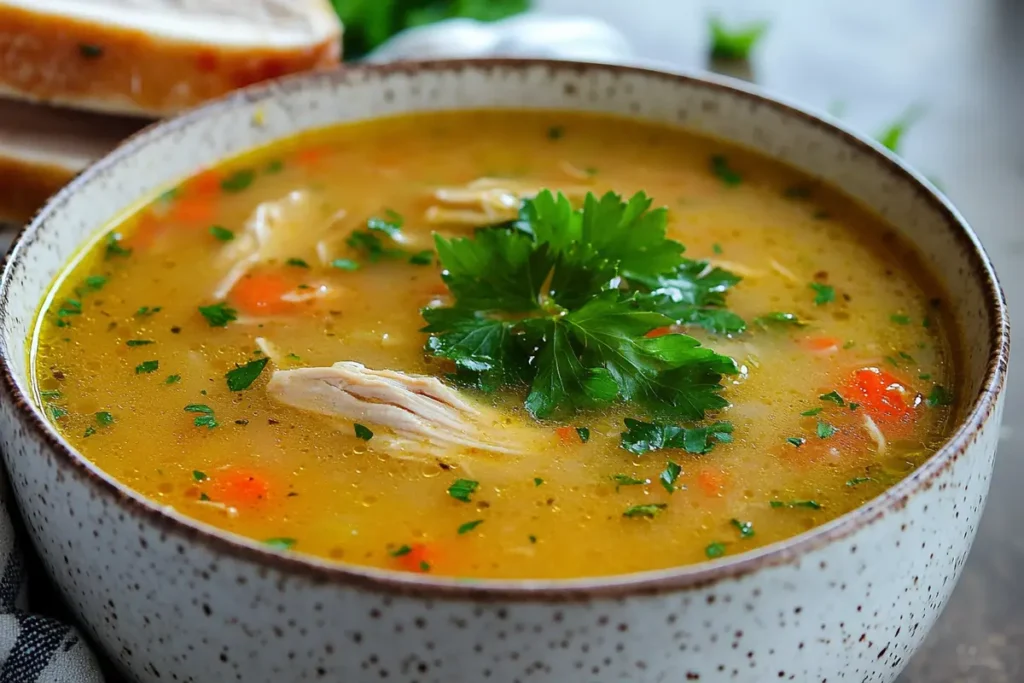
x=163, y=352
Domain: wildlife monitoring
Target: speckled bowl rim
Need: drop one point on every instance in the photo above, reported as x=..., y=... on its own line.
x=687, y=577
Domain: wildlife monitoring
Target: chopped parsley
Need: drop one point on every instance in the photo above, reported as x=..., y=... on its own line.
x=219, y=314
x=720, y=167
x=199, y=475
x=892, y=136
x=833, y=397
x=812, y=504
x=243, y=376
x=146, y=311
x=534, y=305
x=625, y=480
x=669, y=475
x=391, y=225
x=734, y=44
x=778, y=318
x=812, y=412
x=424, y=566
x=114, y=246
x=281, y=543
x=537, y=481
x=172, y=379
x=90, y=51
x=649, y=510
x=796, y=441
x=400, y=551
x=422, y=258
x=925, y=376
x=856, y=481
x=293, y=356
x=644, y=437
x=238, y=181
x=92, y=283
x=583, y=433
x=823, y=294
x=900, y=319
x=363, y=432
x=716, y=248
x=556, y=132
x=939, y=397
x=89, y=431
x=221, y=233
x=906, y=356
x=825, y=430
x=274, y=166
x=146, y=367
x=469, y=526
x=746, y=529
x=104, y=418
x=139, y=342
x=57, y=412
x=297, y=263
x=344, y=264
x=49, y=394
x=533, y=539
x=462, y=489
x=714, y=550
x=854, y=406
x=205, y=417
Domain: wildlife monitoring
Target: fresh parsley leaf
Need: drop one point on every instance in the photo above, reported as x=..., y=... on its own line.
x=172, y=379
x=400, y=551
x=649, y=510
x=812, y=504
x=424, y=566
x=856, y=481
x=113, y=245
x=145, y=311
x=280, y=543
x=717, y=248
x=734, y=44
x=644, y=437
x=796, y=441
x=779, y=318
x=238, y=181
x=104, y=418
x=825, y=430
x=823, y=294
x=462, y=489
x=208, y=421
x=900, y=319
x=583, y=433
x=626, y=480
x=469, y=526
x=391, y=225
x=49, y=394
x=422, y=258
x=669, y=475
x=139, y=342
x=297, y=263
x=372, y=246
x=907, y=357
x=892, y=136
x=556, y=132
x=89, y=431
x=274, y=166
x=939, y=397
x=925, y=376
x=199, y=475
x=344, y=264
x=833, y=397
x=94, y=283
x=363, y=432
x=219, y=314
x=199, y=408
x=854, y=406
x=746, y=529
x=720, y=167
x=221, y=233
x=812, y=412
x=204, y=497
x=533, y=539
x=714, y=550
x=57, y=412
x=537, y=481
x=243, y=376
x=146, y=367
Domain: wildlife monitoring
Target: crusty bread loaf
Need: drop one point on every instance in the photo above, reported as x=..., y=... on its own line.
x=42, y=148
x=156, y=57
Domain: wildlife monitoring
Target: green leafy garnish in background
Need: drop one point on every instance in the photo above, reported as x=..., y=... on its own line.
x=892, y=136
x=368, y=23
x=734, y=43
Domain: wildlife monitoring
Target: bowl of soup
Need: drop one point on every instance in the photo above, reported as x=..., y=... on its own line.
x=501, y=370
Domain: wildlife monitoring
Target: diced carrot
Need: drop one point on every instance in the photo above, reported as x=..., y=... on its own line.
x=311, y=156
x=260, y=294
x=880, y=393
x=438, y=289
x=420, y=558
x=204, y=184
x=711, y=482
x=192, y=210
x=238, y=487
x=144, y=232
x=822, y=344
x=658, y=332
x=567, y=435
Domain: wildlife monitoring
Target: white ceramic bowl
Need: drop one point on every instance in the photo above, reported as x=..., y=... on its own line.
x=169, y=598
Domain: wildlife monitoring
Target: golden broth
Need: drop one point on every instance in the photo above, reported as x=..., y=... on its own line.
x=557, y=512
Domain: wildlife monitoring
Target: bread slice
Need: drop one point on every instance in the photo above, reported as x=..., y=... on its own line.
x=42, y=148
x=157, y=57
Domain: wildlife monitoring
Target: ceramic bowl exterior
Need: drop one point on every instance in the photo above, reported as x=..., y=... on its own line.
x=171, y=599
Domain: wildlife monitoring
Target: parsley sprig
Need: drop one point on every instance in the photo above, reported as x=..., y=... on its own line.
x=561, y=301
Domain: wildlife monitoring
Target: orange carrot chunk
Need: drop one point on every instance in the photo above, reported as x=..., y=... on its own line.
x=567, y=435
x=711, y=482
x=822, y=344
x=416, y=558
x=205, y=184
x=260, y=294
x=239, y=488
x=192, y=210
x=658, y=332
x=880, y=393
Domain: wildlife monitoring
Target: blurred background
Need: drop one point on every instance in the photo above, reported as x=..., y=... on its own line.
x=937, y=81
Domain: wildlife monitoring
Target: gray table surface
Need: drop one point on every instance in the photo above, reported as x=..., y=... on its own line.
x=963, y=62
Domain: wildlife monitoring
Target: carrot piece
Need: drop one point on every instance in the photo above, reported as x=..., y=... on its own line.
x=144, y=232
x=239, y=487
x=567, y=435
x=192, y=210
x=205, y=183
x=711, y=482
x=260, y=294
x=419, y=558
x=311, y=156
x=879, y=393
x=822, y=344
x=658, y=332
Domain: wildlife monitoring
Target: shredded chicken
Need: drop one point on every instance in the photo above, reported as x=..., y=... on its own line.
x=279, y=229
x=426, y=416
x=876, y=434
x=487, y=200
x=783, y=271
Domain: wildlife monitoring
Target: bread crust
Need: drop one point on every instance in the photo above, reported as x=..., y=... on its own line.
x=108, y=68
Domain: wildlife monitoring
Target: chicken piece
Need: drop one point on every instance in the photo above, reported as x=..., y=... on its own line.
x=425, y=415
x=487, y=200
x=284, y=228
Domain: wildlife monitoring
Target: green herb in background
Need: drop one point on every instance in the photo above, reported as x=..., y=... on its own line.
x=892, y=136
x=735, y=43
x=368, y=23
